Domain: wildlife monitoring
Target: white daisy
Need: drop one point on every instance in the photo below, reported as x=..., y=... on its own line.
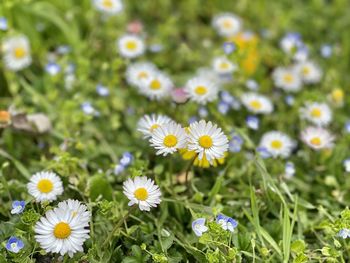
x=257, y=103
x=310, y=72
x=277, y=144
x=287, y=79
x=76, y=208
x=143, y=192
x=317, y=138
x=17, y=52
x=201, y=90
x=317, y=113
x=139, y=72
x=61, y=231
x=156, y=87
x=148, y=123
x=227, y=24
x=45, y=186
x=207, y=140
x=130, y=46
x=110, y=7
x=223, y=66
x=168, y=138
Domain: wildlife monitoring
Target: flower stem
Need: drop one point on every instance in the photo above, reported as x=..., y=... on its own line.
x=188, y=171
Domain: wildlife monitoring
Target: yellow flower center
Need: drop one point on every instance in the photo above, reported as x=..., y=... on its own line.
x=337, y=95
x=224, y=65
x=131, y=45
x=154, y=126
x=276, y=144
x=45, y=186
x=255, y=104
x=142, y=75
x=306, y=70
x=316, y=112
x=288, y=78
x=155, y=84
x=141, y=194
x=316, y=141
x=170, y=140
x=206, y=141
x=19, y=52
x=201, y=90
x=62, y=230
x=227, y=24
x=107, y=3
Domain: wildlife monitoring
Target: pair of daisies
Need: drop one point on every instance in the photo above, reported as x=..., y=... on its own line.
x=203, y=138
x=291, y=78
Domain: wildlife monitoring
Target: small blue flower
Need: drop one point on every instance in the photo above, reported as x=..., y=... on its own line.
x=289, y=99
x=326, y=51
x=289, y=169
x=264, y=153
x=227, y=223
x=70, y=68
x=126, y=159
x=118, y=169
x=252, y=122
x=235, y=144
x=252, y=84
x=302, y=53
x=203, y=112
x=52, y=68
x=347, y=127
x=223, y=107
x=227, y=97
x=102, y=90
x=344, y=233
x=88, y=109
x=192, y=119
x=18, y=207
x=229, y=47
x=198, y=226
x=14, y=244
x=156, y=48
x=3, y=24
x=346, y=164
x=63, y=49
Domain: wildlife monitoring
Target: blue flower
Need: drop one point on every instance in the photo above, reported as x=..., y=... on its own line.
x=264, y=153
x=346, y=164
x=14, y=244
x=198, y=226
x=87, y=108
x=289, y=169
x=326, y=51
x=235, y=144
x=102, y=90
x=223, y=107
x=252, y=122
x=155, y=48
x=229, y=47
x=227, y=97
x=63, y=49
x=18, y=207
x=126, y=159
x=227, y=223
x=3, y=23
x=344, y=233
x=52, y=68
x=192, y=119
x=118, y=169
x=289, y=100
x=252, y=84
x=347, y=127
x=202, y=112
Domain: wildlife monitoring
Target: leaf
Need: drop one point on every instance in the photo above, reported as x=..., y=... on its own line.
x=99, y=186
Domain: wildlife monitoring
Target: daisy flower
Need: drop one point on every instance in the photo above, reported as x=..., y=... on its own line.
x=257, y=103
x=139, y=72
x=130, y=46
x=63, y=230
x=317, y=113
x=287, y=79
x=17, y=52
x=201, y=90
x=168, y=138
x=207, y=140
x=143, y=192
x=317, y=138
x=309, y=72
x=223, y=66
x=110, y=7
x=148, y=123
x=227, y=24
x=277, y=144
x=157, y=86
x=45, y=186
x=76, y=208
